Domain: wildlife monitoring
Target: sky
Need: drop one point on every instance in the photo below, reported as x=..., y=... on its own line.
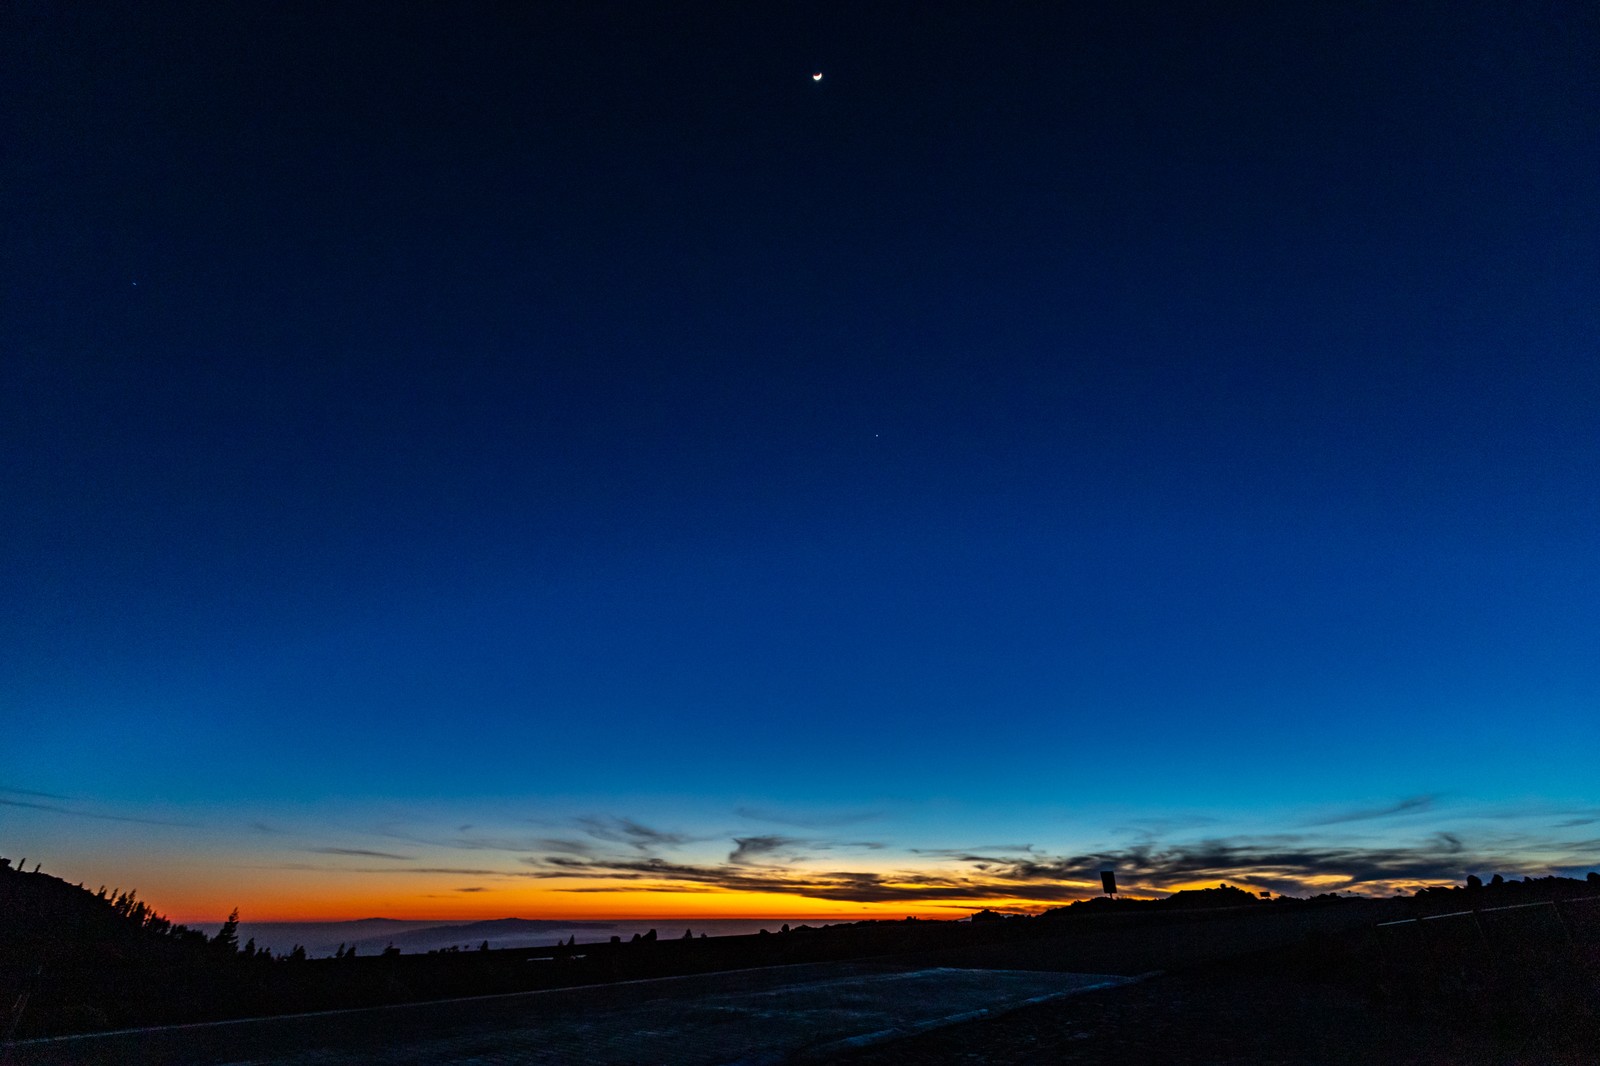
x=568, y=460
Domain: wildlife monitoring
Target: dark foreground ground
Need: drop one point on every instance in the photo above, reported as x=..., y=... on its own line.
x=1257, y=1014
x=1304, y=986
x=1489, y=987
x=1260, y=1011
x=774, y=1015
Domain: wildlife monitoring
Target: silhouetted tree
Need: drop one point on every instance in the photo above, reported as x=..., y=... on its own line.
x=1497, y=880
x=226, y=942
x=1474, y=881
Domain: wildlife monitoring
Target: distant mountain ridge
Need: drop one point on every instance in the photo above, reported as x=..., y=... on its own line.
x=370, y=935
x=498, y=932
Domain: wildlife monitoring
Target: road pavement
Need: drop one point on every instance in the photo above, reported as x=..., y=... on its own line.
x=767, y=1016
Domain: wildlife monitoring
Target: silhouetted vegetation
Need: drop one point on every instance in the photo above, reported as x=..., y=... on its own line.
x=1517, y=960
x=82, y=960
x=86, y=960
x=1223, y=895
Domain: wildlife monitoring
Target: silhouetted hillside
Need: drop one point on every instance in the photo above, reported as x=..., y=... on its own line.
x=43, y=917
x=1221, y=896
x=1187, y=899
x=84, y=960
x=1500, y=892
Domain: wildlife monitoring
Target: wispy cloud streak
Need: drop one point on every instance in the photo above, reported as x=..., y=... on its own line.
x=362, y=853
x=57, y=809
x=630, y=833
x=30, y=792
x=618, y=854
x=1284, y=864
x=1409, y=805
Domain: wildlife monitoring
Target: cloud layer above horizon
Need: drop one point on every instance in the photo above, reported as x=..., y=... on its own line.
x=583, y=863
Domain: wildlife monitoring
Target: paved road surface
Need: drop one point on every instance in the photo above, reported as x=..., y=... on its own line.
x=773, y=1015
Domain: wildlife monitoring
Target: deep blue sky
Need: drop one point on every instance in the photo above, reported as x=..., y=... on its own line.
x=1184, y=409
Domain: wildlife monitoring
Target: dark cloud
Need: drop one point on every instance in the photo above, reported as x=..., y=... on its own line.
x=570, y=847
x=674, y=889
x=54, y=809
x=1579, y=871
x=628, y=832
x=30, y=792
x=473, y=888
x=845, y=885
x=1409, y=805
x=1281, y=864
x=749, y=849
x=561, y=862
x=459, y=871
x=616, y=854
x=362, y=853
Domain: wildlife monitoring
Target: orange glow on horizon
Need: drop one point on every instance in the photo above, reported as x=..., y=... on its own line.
x=191, y=892
x=339, y=903
x=626, y=905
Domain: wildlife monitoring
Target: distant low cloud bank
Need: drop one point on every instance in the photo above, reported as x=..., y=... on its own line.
x=606, y=854
x=1280, y=865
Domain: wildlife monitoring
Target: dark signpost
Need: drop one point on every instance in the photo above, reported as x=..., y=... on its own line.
x=1108, y=880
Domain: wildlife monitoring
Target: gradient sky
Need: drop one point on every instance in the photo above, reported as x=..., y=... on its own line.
x=462, y=460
